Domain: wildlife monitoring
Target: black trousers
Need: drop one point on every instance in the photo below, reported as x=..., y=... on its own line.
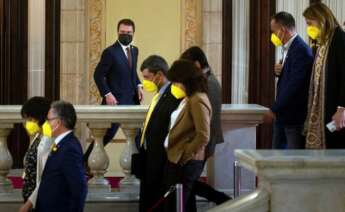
x=187, y=175
x=206, y=191
x=151, y=180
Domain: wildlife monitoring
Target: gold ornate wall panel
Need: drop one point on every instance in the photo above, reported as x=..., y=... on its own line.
x=96, y=43
x=191, y=23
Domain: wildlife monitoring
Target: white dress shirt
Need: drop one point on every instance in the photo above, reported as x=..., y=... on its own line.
x=286, y=46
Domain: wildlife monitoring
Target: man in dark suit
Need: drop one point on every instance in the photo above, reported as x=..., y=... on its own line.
x=214, y=93
x=116, y=76
x=156, y=127
x=290, y=107
x=63, y=184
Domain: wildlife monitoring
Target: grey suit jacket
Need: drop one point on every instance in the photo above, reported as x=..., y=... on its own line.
x=215, y=97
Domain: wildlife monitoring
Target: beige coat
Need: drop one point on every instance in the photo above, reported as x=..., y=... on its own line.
x=191, y=131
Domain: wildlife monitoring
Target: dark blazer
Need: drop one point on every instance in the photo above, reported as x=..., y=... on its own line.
x=191, y=132
x=291, y=102
x=335, y=86
x=215, y=96
x=63, y=185
x=156, y=131
x=113, y=74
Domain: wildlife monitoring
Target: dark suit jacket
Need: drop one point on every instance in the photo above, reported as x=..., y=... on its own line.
x=291, y=102
x=191, y=131
x=335, y=86
x=215, y=96
x=156, y=131
x=113, y=74
x=63, y=185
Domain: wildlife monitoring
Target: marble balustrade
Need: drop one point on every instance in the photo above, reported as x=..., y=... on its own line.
x=98, y=119
x=292, y=181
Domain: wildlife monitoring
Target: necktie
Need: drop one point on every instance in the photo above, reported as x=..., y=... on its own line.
x=148, y=116
x=129, y=56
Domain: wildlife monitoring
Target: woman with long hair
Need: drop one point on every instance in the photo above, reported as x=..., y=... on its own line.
x=324, y=126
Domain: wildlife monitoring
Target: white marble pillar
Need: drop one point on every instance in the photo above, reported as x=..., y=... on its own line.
x=36, y=43
x=338, y=8
x=240, y=51
x=212, y=35
x=5, y=159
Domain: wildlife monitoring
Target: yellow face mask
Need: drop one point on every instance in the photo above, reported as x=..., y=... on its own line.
x=276, y=40
x=313, y=32
x=32, y=127
x=46, y=129
x=177, y=92
x=149, y=86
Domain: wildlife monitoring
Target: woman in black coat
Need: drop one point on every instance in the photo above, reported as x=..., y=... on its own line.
x=327, y=86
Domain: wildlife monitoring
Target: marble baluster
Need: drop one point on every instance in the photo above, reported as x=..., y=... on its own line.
x=129, y=182
x=98, y=160
x=5, y=159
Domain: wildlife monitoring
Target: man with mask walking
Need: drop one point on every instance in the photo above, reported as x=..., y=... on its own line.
x=156, y=126
x=63, y=184
x=290, y=107
x=116, y=76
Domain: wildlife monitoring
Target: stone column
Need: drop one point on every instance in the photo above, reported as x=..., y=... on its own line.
x=5, y=159
x=98, y=160
x=129, y=182
x=73, y=74
x=36, y=30
x=337, y=7
x=212, y=34
x=240, y=51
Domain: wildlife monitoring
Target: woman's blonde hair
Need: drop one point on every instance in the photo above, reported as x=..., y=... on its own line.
x=324, y=16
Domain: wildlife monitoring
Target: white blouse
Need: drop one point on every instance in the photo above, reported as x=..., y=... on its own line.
x=173, y=119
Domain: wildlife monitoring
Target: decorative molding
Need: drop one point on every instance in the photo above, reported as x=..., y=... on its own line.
x=96, y=42
x=191, y=23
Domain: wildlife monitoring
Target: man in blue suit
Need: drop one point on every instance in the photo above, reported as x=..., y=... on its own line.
x=293, y=72
x=116, y=76
x=63, y=184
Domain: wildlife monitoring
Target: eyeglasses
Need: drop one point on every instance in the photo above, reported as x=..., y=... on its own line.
x=50, y=119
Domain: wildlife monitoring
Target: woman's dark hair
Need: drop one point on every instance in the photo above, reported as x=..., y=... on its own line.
x=194, y=54
x=185, y=72
x=37, y=108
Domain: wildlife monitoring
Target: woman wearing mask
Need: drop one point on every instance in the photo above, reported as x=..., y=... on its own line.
x=34, y=113
x=327, y=86
x=189, y=130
